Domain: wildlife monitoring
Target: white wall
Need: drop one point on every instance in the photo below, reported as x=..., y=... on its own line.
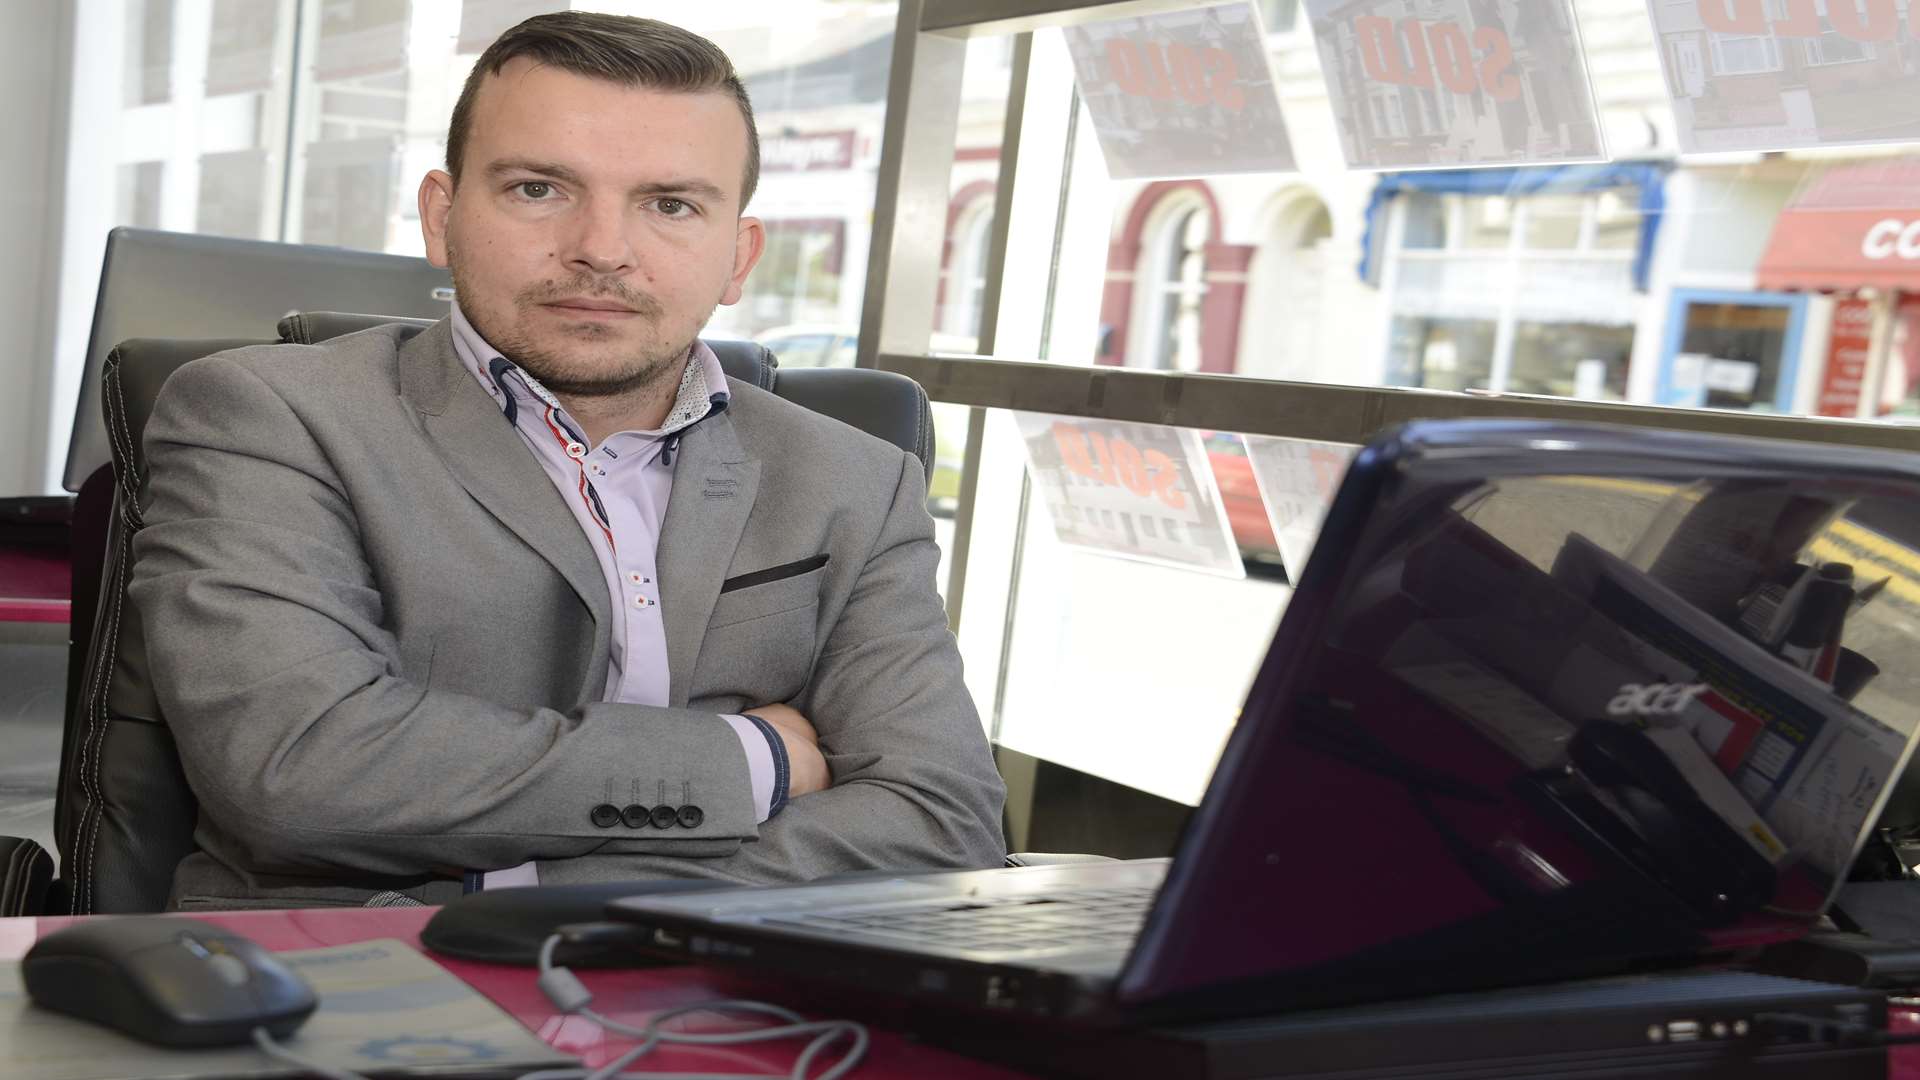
x=33, y=58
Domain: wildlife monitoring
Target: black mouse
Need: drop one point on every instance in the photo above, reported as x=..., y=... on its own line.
x=169, y=981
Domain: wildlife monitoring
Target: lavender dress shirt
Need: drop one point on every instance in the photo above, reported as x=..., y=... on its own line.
x=618, y=494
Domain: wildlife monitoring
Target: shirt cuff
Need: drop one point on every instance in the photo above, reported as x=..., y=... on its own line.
x=766, y=762
x=524, y=874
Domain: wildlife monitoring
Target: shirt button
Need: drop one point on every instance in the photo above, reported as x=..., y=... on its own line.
x=635, y=578
x=576, y=451
x=641, y=601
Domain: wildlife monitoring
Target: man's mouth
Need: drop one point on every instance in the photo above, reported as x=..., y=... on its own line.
x=586, y=303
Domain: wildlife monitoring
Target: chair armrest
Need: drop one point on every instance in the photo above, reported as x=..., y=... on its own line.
x=1045, y=858
x=26, y=873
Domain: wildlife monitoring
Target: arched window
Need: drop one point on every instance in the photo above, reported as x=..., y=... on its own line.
x=968, y=283
x=1176, y=284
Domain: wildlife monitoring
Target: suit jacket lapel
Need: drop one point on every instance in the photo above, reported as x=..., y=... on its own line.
x=489, y=458
x=714, y=484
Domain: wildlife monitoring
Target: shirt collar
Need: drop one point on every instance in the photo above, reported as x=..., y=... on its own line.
x=703, y=383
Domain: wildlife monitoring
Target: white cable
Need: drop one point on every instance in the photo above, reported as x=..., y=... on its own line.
x=570, y=997
x=267, y=1045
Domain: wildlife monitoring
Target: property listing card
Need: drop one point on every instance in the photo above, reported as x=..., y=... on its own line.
x=1456, y=82
x=1778, y=74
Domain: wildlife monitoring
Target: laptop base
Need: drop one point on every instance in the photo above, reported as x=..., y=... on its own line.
x=1680, y=1025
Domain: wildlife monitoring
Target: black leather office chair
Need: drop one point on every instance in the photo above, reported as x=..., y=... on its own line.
x=123, y=814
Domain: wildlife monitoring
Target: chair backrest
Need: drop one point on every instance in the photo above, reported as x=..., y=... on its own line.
x=124, y=815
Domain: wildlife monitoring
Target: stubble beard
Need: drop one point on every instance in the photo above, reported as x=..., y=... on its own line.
x=639, y=371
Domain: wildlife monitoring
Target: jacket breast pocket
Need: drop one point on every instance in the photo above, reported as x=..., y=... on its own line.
x=759, y=642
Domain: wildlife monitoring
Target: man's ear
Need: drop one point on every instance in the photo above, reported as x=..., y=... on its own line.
x=436, y=203
x=749, y=243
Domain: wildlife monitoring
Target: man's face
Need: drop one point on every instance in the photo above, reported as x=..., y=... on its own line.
x=595, y=226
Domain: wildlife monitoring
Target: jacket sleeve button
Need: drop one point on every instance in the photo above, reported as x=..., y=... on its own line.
x=636, y=816
x=691, y=816
x=665, y=817
x=606, y=815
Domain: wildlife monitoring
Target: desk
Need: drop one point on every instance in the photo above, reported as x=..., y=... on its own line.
x=35, y=585
x=632, y=997
x=628, y=996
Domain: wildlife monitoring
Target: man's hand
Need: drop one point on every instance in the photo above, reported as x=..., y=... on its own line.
x=807, y=770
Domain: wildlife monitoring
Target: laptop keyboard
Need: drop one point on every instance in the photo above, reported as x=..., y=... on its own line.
x=1082, y=919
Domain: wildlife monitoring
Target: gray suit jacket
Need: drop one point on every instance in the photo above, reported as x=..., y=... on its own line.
x=380, y=640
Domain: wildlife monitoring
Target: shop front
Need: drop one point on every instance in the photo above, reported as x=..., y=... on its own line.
x=1850, y=241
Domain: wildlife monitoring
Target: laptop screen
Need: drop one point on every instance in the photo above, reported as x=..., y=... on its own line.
x=1550, y=700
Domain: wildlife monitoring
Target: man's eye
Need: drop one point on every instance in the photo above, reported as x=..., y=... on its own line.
x=673, y=208
x=535, y=189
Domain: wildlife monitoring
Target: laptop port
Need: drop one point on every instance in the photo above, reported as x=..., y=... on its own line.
x=1683, y=1030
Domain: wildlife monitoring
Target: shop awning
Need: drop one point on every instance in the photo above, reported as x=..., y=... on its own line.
x=1648, y=177
x=1853, y=226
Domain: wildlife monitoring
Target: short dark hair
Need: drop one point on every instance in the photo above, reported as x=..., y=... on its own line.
x=617, y=48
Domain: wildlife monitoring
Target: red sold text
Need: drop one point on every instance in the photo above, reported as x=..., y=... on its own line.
x=1118, y=462
x=1437, y=52
x=1199, y=76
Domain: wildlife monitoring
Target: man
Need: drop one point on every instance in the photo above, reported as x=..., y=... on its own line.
x=538, y=594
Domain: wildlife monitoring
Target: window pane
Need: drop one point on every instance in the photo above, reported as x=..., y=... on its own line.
x=1571, y=360
x=1616, y=222
x=1489, y=221
x=149, y=52
x=1554, y=221
x=1735, y=349
x=1442, y=354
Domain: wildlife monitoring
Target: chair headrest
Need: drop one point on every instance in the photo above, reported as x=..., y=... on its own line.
x=134, y=372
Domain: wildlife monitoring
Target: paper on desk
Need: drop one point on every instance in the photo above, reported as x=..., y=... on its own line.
x=384, y=1010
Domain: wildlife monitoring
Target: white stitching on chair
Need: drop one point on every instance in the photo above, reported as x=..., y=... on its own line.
x=127, y=481
x=94, y=738
x=922, y=419
x=99, y=710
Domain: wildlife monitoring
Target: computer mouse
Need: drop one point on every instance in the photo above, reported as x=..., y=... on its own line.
x=165, y=980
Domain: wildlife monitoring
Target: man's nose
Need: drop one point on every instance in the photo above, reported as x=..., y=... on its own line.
x=599, y=242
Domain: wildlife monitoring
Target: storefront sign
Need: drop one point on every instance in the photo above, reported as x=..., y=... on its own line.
x=1139, y=491
x=807, y=153
x=1853, y=225
x=1297, y=480
x=1847, y=353
x=1774, y=74
x=1188, y=93
x=1463, y=82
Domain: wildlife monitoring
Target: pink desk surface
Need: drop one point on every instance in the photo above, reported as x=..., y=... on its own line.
x=35, y=585
x=631, y=997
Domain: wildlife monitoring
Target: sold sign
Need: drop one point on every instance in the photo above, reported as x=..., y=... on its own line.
x=1162, y=71
x=1139, y=491
x=1185, y=93
x=1507, y=83
x=1439, y=49
x=1117, y=461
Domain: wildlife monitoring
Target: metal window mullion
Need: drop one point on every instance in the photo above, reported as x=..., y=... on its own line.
x=911, y=195
x=1331, y=413
x=988, y=327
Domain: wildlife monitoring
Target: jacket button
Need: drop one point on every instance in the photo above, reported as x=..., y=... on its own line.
x=691, y=816
x=635, y=815
x=606, y=815
x=665, y=817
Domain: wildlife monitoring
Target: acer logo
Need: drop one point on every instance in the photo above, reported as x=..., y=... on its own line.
x=1654, y=699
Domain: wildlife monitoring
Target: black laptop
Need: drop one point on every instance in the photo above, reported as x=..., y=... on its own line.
x=1550, y=701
